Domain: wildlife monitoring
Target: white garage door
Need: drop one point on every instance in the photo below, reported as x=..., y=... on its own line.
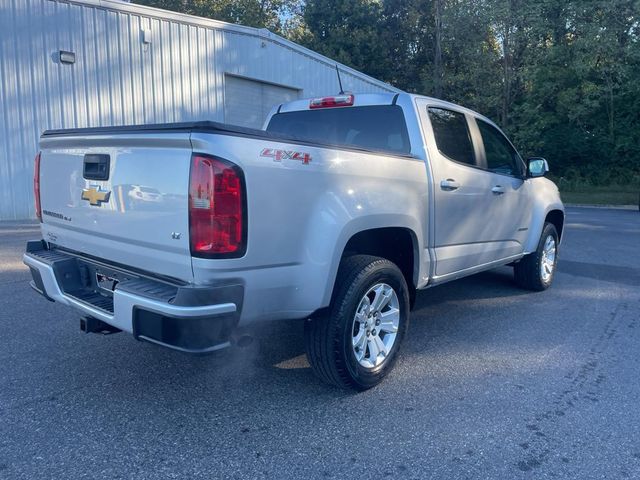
x=248, y=102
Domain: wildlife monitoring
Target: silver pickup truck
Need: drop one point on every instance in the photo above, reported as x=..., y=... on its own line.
x=336, y=213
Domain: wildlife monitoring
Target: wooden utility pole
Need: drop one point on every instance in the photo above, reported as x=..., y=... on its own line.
x=437, y=61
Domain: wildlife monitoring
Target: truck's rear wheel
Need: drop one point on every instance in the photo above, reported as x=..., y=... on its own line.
x=536, y=270
x=355, y=343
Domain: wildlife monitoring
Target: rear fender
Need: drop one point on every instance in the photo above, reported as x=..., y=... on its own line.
x=371, y=222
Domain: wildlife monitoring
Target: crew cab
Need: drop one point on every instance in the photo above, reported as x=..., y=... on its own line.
x=336, y=213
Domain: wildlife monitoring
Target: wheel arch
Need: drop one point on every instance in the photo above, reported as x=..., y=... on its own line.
x=553, y=214
x=399, y=244
x=556, y=218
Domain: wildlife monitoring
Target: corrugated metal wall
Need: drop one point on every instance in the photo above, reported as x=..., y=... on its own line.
x=119, y=79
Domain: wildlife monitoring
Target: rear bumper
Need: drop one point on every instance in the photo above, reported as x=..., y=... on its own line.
x=181, y=317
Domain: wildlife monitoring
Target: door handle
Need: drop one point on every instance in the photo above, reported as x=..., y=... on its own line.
x=96, y=166
x=498, y=189
x=449, y=185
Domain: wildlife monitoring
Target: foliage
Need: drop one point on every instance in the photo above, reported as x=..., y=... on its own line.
x=562, y=77
x=269, y=14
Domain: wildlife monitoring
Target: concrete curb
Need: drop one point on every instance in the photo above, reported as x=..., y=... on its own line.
x=612, y=207
x=19, y=223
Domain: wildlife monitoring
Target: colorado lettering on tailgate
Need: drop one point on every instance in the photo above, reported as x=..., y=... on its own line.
x=279, y=155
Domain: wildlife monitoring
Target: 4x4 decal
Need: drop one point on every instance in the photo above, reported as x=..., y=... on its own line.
x=279, y=155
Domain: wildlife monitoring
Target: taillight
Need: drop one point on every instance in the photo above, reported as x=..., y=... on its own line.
x=217, y=221
x=36, y=186
x=336, y=101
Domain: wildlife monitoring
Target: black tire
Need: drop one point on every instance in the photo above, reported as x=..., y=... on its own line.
x=328, y=337
x=527, y=272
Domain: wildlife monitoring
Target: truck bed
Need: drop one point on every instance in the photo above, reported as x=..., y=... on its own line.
x=207, y=126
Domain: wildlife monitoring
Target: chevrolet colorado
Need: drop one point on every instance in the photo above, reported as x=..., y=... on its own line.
x=337, y=212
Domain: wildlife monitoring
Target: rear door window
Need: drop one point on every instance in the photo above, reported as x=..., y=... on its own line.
x=377, y=127
x=452, y=135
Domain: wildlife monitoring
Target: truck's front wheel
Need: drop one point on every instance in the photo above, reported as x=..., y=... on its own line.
x=356, y=341
x=536, y=270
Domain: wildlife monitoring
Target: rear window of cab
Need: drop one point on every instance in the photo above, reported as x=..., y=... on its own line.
x=376, y=127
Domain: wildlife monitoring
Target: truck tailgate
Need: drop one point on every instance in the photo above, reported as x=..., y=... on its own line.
x=120, y=197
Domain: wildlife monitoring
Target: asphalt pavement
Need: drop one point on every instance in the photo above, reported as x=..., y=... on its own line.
x=494, y=382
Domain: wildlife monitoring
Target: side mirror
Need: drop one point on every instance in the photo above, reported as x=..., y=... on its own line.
x=537, y=167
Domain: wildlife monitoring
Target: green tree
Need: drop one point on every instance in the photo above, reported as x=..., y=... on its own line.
x=271, y=14
x=350, y=32
x=471, y=73
x=579, y=103
x=560, y=76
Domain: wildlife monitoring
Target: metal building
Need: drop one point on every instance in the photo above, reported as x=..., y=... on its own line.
x=78, y=63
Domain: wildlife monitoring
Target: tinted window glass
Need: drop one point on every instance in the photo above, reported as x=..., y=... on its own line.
x=501, y=156
x=380, y=127
x=452, y=135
